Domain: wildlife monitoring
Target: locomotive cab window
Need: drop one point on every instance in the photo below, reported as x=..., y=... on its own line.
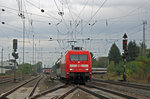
x=77, y=57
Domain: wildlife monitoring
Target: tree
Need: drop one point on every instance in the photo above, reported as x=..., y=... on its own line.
x=37, y=67
x=133, y=51
x=92, y=57
x=148, y=53
x=111, y=67
x=142, y=49
x=25, y=68
x=114, y=54
x=101, y=62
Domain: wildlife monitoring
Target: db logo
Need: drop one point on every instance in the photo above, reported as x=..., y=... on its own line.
x=79, y=65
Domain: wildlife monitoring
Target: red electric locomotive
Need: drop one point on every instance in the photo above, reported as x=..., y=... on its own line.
x=47, y=71
x=76, y=66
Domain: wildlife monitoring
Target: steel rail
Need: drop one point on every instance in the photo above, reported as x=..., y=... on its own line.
x=4, y=95
x=7, y=80
x=133, y=85
x=110, y=91
x=47, y=91
x=33, y=90
x=93, y=93
x=67, y=93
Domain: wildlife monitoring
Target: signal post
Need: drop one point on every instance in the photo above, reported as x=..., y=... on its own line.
x=124, y=55
x=15, y=55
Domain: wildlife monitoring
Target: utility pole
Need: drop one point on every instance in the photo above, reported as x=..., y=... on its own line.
x=143, y=44
x=32, y=42
x=23, y=36
x=91, y=24
x=21, y=14
x=35, y=61
x=33, y=49
x=8, y=54
x=81, y=26
x=2, y=61
x=35, y=53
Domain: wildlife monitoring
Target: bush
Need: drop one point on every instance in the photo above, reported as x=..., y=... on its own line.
x=25, y=68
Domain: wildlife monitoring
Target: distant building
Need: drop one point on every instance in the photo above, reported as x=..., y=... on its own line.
x=6, y=66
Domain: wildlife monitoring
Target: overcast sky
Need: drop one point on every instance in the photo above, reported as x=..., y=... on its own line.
x=103, y=21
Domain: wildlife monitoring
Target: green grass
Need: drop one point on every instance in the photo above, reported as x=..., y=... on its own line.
x=114, y=77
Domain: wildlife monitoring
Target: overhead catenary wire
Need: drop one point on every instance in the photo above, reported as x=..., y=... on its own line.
x=35, y=20
x=82, y=10
x=99, y=20
x=29, y=19
x=69, y=10
x=48, y=17
x=62, y=18
x=93, y=15
x=26, y=12
x=12, y=27
x=19, y=2
x=41, y=10
x=127, y=15
x=32, y=4
x=130, y=12
x=45, y=22
x=75, y=20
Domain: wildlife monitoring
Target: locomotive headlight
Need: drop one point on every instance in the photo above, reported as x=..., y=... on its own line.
x=86, y=69
x=84, y=65
x=71, y=69
x=73, y=65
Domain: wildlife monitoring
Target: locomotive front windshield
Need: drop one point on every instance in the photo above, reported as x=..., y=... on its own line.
x=78, y=57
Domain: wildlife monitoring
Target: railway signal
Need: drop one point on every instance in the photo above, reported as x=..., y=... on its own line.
x=15, y=55
x=125, y=45
x=15, y=44
x=124, y=55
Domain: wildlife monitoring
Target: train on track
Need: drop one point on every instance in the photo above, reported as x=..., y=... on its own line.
x=75, y=66
x=47, y=71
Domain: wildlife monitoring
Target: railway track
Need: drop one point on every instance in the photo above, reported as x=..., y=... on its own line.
x=48, y=91
x=33, y=90
x=6, y=80
x=62, y=91
x=111, y=92
x=11, y=93
x=133, y=85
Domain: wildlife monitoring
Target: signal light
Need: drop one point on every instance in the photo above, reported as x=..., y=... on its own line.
x=15, y=55
x=15, y=44
x=125, y=45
